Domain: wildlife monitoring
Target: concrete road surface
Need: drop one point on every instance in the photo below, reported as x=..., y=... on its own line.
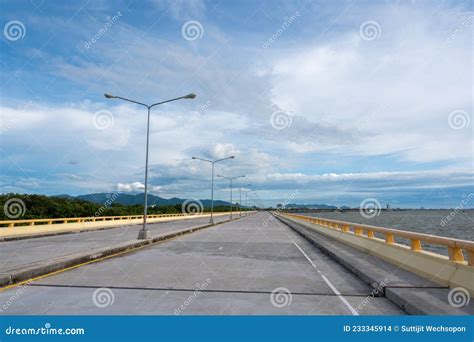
x=19, y=253
x=255, y=265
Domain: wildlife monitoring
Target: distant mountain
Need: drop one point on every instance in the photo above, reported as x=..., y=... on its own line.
x=63, y=196
x=129, y=199
x=310, y=206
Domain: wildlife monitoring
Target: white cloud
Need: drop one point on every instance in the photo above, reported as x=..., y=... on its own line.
x=224, y=150
x=130, y=187
x=434, y=177
x=350, y=98
x=137, y=187
x=392, y=95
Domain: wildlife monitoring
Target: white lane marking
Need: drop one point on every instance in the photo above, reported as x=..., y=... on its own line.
x=333, y=288
x=220, y=248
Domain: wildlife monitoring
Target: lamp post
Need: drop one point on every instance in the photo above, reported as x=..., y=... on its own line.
x=256, y=198
x=240, y=200
x=231, y=179
x=211, y=221
x=144, y=233
x=249, y=198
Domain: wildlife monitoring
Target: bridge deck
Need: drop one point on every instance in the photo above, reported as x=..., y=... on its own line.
x=236, y=265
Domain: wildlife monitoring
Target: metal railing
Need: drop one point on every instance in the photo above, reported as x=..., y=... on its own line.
x=456, y=247
x=33, y=222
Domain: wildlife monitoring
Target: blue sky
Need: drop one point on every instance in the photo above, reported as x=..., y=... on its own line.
x=320, y=101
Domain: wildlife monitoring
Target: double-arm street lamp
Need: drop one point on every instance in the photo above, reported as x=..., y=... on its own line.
x=231, y=179
x=247, y=198
x=211, y=221
x=144, y=232
x=240, y=199
x=256, y=200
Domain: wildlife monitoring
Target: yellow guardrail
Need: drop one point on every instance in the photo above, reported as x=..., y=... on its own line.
x=36, y=227
x=456, y=247
x=33, y=222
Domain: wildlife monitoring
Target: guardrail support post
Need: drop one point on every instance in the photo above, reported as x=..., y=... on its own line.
x=455, y=254
x=416, y=245
x=389, y=238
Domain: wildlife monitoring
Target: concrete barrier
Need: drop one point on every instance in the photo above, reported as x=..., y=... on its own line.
x=435, y=267
x=411, y=292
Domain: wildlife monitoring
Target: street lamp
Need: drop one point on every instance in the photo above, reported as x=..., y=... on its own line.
x=211, y=221
x=257, y=199
x=240, y=199
x=247, y=197
x=231, y=179
x=144, y=233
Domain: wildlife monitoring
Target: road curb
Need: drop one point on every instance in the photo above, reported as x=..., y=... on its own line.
x=413, y=299
x=43, y=268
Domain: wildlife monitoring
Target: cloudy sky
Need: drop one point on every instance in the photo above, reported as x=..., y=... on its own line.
x=320, y=101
